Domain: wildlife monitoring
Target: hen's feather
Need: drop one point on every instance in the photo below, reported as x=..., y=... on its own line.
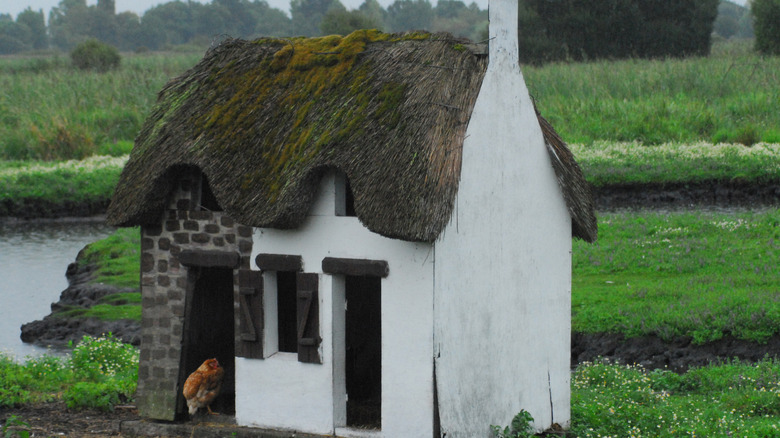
x=203, y=385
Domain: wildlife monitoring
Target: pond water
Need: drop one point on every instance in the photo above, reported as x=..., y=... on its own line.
x=33, y=260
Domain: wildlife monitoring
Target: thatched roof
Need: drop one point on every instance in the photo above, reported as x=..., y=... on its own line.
x=263, y=119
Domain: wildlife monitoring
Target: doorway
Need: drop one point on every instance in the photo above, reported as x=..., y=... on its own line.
x=363, y=365
x=209, y=331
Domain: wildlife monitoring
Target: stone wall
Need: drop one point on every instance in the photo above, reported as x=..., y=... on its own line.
x=184, y=227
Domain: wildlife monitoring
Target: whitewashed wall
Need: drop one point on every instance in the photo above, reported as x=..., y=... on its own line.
x=279, y=392
x=503, y=264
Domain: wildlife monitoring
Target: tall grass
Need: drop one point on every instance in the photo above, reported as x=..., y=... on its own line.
x=50, y=111
x=731, y=96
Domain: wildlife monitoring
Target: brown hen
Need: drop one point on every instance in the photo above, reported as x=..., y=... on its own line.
x=203, y=385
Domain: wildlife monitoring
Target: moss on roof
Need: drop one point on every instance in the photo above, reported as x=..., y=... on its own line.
x=263, y=119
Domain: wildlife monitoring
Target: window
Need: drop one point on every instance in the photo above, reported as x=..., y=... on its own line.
x=286, y=304
x=292, y=313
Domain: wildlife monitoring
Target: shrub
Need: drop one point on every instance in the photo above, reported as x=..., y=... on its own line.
x=94, y=55
x=766, y=16
x=104, y=356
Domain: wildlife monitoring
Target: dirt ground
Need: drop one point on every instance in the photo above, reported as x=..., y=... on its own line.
x=54, y=419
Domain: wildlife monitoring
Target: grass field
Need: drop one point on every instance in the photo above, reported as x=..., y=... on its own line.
x=50, y=111
x=698, y=274
x=731, y=96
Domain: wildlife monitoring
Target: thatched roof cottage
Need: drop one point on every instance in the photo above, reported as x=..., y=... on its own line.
x=372, y=233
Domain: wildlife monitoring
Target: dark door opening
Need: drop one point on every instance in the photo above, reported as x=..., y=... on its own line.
x=209, y=331
x=363, y=365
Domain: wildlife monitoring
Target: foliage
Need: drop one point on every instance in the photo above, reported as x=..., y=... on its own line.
x=660, y=101
x=649, y=101
x=607, y=163
x=699, y=274
x=89, y=181
x=733, y=20
x=307, y=15
x=94, y=55
x=766, y=18
x=571, y=29
x=50, y=113
x=14, y=427
x=343, y=22
x=520, y=427
x=117, y=258
x=97, y=358
x=731, y=399
x=100, y=373
x=409, y=15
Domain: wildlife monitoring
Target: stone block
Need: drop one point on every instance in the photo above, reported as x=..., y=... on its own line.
x=212, y=228
x=230, y=238
x=226, y=221
x=147, y=262
x=175, y=295
x=201, y=215
x=164, y=244
x=172, y=225
x=244, y=231
x=201, y=238
x=191, y=225
x=218, y=241
x=162, y=265
x=163, y=280
x=181, y=238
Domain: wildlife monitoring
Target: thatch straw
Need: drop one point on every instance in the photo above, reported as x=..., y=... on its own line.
x=263, y=119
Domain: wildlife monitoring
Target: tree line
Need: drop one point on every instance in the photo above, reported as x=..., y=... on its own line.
x=550, y=30
x=180, y=22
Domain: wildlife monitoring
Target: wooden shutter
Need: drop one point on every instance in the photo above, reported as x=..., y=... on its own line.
x=249, y=342
x=308, y=313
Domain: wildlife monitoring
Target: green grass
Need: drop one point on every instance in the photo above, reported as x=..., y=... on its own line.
x=50, y=111
x=606, y=163
x=731, y=96
x=30, y=183
x=118, y=260
x=715, y=401
x=697, y=274
x=99, y=373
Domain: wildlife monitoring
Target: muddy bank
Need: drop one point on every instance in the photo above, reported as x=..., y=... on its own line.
x=725, y=194
x=678, y=355
x=718, y=194
x=45, y=209
x=82, y=293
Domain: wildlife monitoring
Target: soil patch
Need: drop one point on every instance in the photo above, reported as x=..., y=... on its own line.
x=55, y=419
x=729, y=194
x=677, y=355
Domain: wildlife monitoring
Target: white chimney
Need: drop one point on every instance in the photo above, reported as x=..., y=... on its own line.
x=504, y=46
